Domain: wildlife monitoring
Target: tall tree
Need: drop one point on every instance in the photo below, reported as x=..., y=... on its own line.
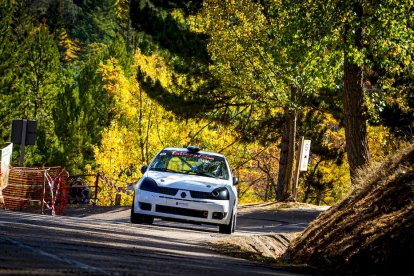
x=355, y=108
x=265, y=69
x=364, y=33
x=30, y=92
x=15, y=27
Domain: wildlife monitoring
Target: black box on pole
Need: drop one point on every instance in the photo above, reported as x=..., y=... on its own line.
x=31, y=132
x=17, y=128
x=16, y=136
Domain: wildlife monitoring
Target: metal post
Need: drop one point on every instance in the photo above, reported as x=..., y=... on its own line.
x=96, y=188
x=43, y=194
x=118, y=199
x=23, y=142
x=295, y=183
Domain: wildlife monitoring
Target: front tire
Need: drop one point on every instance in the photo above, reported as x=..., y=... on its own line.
x=229, y=228
x=138, y=218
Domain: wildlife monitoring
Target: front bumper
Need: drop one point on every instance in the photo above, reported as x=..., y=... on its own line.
x=175, y=207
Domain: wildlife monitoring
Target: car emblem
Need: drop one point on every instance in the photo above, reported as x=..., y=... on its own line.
x=183, y=194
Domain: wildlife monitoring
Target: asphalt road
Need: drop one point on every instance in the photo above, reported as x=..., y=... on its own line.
x=107, y=244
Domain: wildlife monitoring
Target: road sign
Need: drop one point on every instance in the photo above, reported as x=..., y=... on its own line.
x=23, y=133
x=17, y=132
x=305, y=155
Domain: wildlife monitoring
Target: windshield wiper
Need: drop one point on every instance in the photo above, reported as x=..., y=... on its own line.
x=199, y=173
x=203, y=174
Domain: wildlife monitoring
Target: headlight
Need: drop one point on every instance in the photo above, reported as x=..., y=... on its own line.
x=220, y=194
x=149, y=184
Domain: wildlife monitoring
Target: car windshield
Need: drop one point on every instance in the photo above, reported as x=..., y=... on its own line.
x=190, y=163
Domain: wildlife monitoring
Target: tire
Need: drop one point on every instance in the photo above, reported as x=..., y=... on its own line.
x=148, y=219
x=139, y=219
x=135, y=218
x=229, y=228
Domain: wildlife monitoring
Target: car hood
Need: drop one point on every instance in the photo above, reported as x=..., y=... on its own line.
x=186, y=182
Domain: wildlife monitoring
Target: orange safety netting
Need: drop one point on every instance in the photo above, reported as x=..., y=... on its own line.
x=37, y=189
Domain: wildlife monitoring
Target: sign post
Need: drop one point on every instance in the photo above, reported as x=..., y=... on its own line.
x=22, y=144
x=302, y=163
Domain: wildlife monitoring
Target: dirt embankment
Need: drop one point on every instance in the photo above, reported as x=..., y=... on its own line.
x=371, y=231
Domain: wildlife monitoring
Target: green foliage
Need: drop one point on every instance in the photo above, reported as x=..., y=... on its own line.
x=112, y=82
x=15, y=27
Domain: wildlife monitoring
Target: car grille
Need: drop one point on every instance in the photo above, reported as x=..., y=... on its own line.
x=181, y=211
x=167, y=191
x=203, y=195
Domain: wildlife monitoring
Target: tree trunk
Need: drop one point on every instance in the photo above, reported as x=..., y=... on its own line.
x=291, y=156
x=307, y=193
x=284, y=151
x=355, y=108
x=355, y=118
x=287, y=153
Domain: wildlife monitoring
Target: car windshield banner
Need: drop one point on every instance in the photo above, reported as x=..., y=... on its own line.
x=191, y=155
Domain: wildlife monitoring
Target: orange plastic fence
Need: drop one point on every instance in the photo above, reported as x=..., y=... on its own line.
x=28, y=188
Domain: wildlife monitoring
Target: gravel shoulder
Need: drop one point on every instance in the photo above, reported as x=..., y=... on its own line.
x=265, y=230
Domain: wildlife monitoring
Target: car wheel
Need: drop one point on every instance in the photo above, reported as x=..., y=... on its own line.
x=135, y=218
x=148, y=219
x=139, y=219
x=229, y=228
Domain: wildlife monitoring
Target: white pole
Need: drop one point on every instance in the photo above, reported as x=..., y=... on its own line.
x=295, y=183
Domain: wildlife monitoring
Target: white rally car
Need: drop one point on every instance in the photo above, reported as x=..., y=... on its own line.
x=189, y=185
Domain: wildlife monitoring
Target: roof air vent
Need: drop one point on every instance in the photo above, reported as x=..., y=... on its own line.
x=193, y=149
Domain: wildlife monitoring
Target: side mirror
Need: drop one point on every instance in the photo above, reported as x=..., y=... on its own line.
x=144, y=169
x=235, y=180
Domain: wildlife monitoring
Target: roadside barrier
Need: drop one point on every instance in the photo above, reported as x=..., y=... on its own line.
x=55, y=189
x=37, y=188
x=48, y=190
x=78, y=183
x=117, y=188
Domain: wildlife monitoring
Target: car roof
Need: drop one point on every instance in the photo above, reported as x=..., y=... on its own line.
x=199, y=152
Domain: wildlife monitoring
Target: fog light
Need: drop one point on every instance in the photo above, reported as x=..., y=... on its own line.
x=218, y=215
x=145, y=206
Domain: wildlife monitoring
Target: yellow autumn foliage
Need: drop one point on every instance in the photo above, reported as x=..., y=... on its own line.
x=69, y=47
x=141, y=128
